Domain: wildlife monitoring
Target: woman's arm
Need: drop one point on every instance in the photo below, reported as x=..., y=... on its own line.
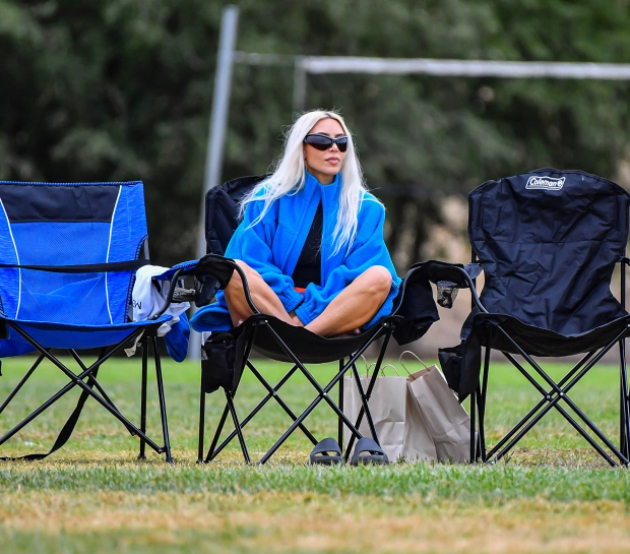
x=251, y=244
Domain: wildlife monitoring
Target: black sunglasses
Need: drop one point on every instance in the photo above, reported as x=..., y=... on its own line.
x=324, y=142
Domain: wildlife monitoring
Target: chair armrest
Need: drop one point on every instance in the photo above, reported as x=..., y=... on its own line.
x=213, y=272
x=461, y=276
x=451, y=276
x=415, y=303
x=171, y=293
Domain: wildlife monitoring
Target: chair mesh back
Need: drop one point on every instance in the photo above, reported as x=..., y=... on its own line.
x=222, y=206
x=548, y=242
x=69, y=224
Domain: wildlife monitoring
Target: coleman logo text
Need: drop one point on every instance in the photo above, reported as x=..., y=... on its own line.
x=549, y=183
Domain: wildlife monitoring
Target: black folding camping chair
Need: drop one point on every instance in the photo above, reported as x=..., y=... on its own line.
x=548, y=242
x=226, y=355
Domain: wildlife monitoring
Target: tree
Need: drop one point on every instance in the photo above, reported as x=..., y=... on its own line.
x=121, y=90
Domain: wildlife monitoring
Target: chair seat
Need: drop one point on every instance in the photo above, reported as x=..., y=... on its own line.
x=537, y=341
x=65, y=335
x=307, y=346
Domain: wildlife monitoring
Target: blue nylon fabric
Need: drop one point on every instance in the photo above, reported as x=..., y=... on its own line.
x=74, y=310
x=187, y=268
x=10, y=348
x=8, y=275
x=57, y=335
x=128, y=234
x=176, y=339
x=62, y=297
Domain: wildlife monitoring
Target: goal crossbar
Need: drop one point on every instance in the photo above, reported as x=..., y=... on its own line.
x=444, y=68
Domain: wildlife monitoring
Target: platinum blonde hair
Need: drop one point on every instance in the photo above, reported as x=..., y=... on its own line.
x=289, y=174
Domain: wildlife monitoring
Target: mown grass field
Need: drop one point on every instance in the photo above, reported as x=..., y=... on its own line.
x=553, y=495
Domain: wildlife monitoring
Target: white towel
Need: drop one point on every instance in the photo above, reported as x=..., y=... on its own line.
x=148, y=298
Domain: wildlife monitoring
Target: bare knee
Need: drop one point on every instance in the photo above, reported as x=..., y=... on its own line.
x=377, y=281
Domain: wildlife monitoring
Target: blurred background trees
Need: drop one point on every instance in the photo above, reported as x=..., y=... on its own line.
x=122, y=89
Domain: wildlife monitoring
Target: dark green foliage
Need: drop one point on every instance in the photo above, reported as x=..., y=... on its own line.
x=122, y=90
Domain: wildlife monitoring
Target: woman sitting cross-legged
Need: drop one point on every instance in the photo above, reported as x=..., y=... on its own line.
x=311, y=240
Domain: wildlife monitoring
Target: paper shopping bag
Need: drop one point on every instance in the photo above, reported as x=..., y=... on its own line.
x=400, y=426
x=447, y=421
x=387, y=406
x=418, y=443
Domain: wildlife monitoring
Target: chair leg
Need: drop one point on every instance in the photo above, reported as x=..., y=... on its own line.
x=89, y=373
x=43, y=407
x=497, y=447
x=322, y=395
x=364, y=401
x=624, y=408
x=212, y=452
x=482, y=407
x=624, y=394
x=623, y=438
x=560, y=393
x=160, y=386
x=202, y=420
x=473, y=409
x=339, y=420
x=77, y=381
x=273, y=393
x=91, y=379
x=549, y=401
x=370, y=389
x=143, y=400
x=237, y=426
x=21, y=383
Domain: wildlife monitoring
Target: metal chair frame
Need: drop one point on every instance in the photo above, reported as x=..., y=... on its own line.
x=258, y=320
x=87, y=381
x=552, y=397
x=323, y=394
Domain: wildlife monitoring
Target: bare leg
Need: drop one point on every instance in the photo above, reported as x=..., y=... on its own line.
x=355, y=305
x=263, y=296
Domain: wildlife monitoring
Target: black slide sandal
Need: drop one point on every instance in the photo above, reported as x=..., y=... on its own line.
x=368, y=451
x=326, y=452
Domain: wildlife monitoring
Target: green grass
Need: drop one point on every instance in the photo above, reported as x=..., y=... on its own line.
x=553, y=494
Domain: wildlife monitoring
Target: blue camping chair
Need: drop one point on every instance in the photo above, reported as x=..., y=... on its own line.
x=68, y=257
